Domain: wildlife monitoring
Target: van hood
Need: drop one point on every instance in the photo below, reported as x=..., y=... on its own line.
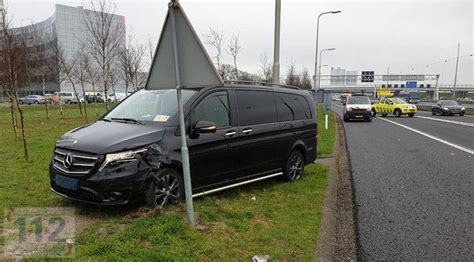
x=104, y=137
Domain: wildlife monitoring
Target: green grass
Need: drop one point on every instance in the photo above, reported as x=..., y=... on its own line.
x=327, y=137
x=282, y=222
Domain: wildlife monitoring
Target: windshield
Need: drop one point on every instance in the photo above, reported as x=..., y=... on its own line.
x=415, y=95
x=449, y=103
x=399, y=100
x=358, y=100
x=149, y=105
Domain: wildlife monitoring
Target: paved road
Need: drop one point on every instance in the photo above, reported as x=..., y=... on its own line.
x=413, y=187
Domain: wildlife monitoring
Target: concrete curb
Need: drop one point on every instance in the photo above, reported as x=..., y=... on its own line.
x=337, y=240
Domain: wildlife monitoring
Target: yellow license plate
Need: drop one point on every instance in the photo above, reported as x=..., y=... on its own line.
x=359, y=116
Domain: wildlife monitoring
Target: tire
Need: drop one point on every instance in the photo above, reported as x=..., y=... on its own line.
x=36, y=102
x=374, y=113
x=294, y=168
x=166, y=187
x=368, y=119
x=398, y=112
x=68, y=102
x=461, y=114
x=411, y=114
x=433, y=112
x=384, y=114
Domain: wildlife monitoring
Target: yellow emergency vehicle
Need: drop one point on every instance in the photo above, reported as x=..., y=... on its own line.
x=394, y=105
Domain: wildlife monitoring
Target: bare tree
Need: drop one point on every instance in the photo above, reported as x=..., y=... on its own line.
x=14, y=71
x=82, y=72
x=215, y=39
x=131, y=59
x=233, y=48
x=292, y=78
x=305, y=79
x=265, y=67
x=67, y=68
x=106, y=36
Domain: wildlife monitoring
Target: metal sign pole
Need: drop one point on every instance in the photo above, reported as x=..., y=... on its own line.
x=184, y=147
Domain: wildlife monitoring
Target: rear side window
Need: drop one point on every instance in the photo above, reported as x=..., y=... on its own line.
x=292, y=107
x=255, y=107
x=215, y=109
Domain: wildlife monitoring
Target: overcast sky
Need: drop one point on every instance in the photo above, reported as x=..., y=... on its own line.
x=371, y=35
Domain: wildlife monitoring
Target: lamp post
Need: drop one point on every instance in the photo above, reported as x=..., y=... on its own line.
x=320, y=59
x=317, y=40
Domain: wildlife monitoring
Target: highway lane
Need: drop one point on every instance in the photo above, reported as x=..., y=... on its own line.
x=414, y=195
x=465, y=118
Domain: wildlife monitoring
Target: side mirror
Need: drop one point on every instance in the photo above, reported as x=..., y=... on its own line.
x=205, y=127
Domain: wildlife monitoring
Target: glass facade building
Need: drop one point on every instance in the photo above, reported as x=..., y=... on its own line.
x=66, y=29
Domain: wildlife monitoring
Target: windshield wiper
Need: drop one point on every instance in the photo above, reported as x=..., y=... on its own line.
x=130, y=120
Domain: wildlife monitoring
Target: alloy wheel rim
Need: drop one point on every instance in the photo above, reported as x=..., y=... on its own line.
x=167, y=190
x=296, y=167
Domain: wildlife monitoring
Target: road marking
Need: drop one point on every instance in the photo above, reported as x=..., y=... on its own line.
x=447, y=121
x=465, y=149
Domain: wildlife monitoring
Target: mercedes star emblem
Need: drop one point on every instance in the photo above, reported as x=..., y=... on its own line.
x=68, y=160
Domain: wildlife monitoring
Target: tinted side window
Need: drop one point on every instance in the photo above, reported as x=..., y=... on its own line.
x=292, y=107
x=255, y=107
x=214, y=108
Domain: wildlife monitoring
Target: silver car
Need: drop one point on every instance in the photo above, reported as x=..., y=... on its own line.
x=32, y=99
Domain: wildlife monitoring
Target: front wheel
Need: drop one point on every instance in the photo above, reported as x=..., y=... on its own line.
x=398, y=113
x=374, y=113
x=433, y=112
x=294, y=166
x=411, y=115
x=384, y=114
x=165, y=188
x=461, y=114
x=36, y=102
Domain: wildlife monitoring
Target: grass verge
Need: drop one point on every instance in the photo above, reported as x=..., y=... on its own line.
x=282, y=221
x=327, y=137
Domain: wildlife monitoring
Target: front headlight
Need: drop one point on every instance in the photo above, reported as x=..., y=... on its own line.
x=445, y=109
x=122, y=157
x=463, y=108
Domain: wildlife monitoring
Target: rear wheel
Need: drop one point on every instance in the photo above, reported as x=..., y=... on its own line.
x=294, y=166
x=165, y=188
x=346, y=118
x=433, y=112
x=398, y=112
x=68, y=102
x=36, y=102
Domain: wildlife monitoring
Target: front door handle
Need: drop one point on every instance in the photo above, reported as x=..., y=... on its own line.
x=247, y=131
x=230, y=133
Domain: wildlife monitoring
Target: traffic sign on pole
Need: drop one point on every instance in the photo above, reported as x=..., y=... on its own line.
x=181, y=62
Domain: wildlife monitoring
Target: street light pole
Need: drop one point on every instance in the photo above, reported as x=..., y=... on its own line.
x=276, y=44
x=320, y=59
x=316, y=53
x=456, y=73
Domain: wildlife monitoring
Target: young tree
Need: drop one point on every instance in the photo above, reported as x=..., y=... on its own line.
x=67, y=68
x=131, y=59
x=14, y=58
x=215, y=40
x=305, y=79
x=233, y=48
x=106, y=36
x=81, y=72
x=292, y=78
x=265, y=68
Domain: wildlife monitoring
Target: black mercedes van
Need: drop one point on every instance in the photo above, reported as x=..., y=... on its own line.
x=236, y=134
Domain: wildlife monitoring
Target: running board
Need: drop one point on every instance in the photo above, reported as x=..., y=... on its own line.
x=237, y=184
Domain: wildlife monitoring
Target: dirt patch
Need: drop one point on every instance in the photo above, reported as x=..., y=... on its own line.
x=337, y=235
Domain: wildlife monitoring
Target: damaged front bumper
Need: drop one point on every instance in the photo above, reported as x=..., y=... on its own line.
x=115, y=183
